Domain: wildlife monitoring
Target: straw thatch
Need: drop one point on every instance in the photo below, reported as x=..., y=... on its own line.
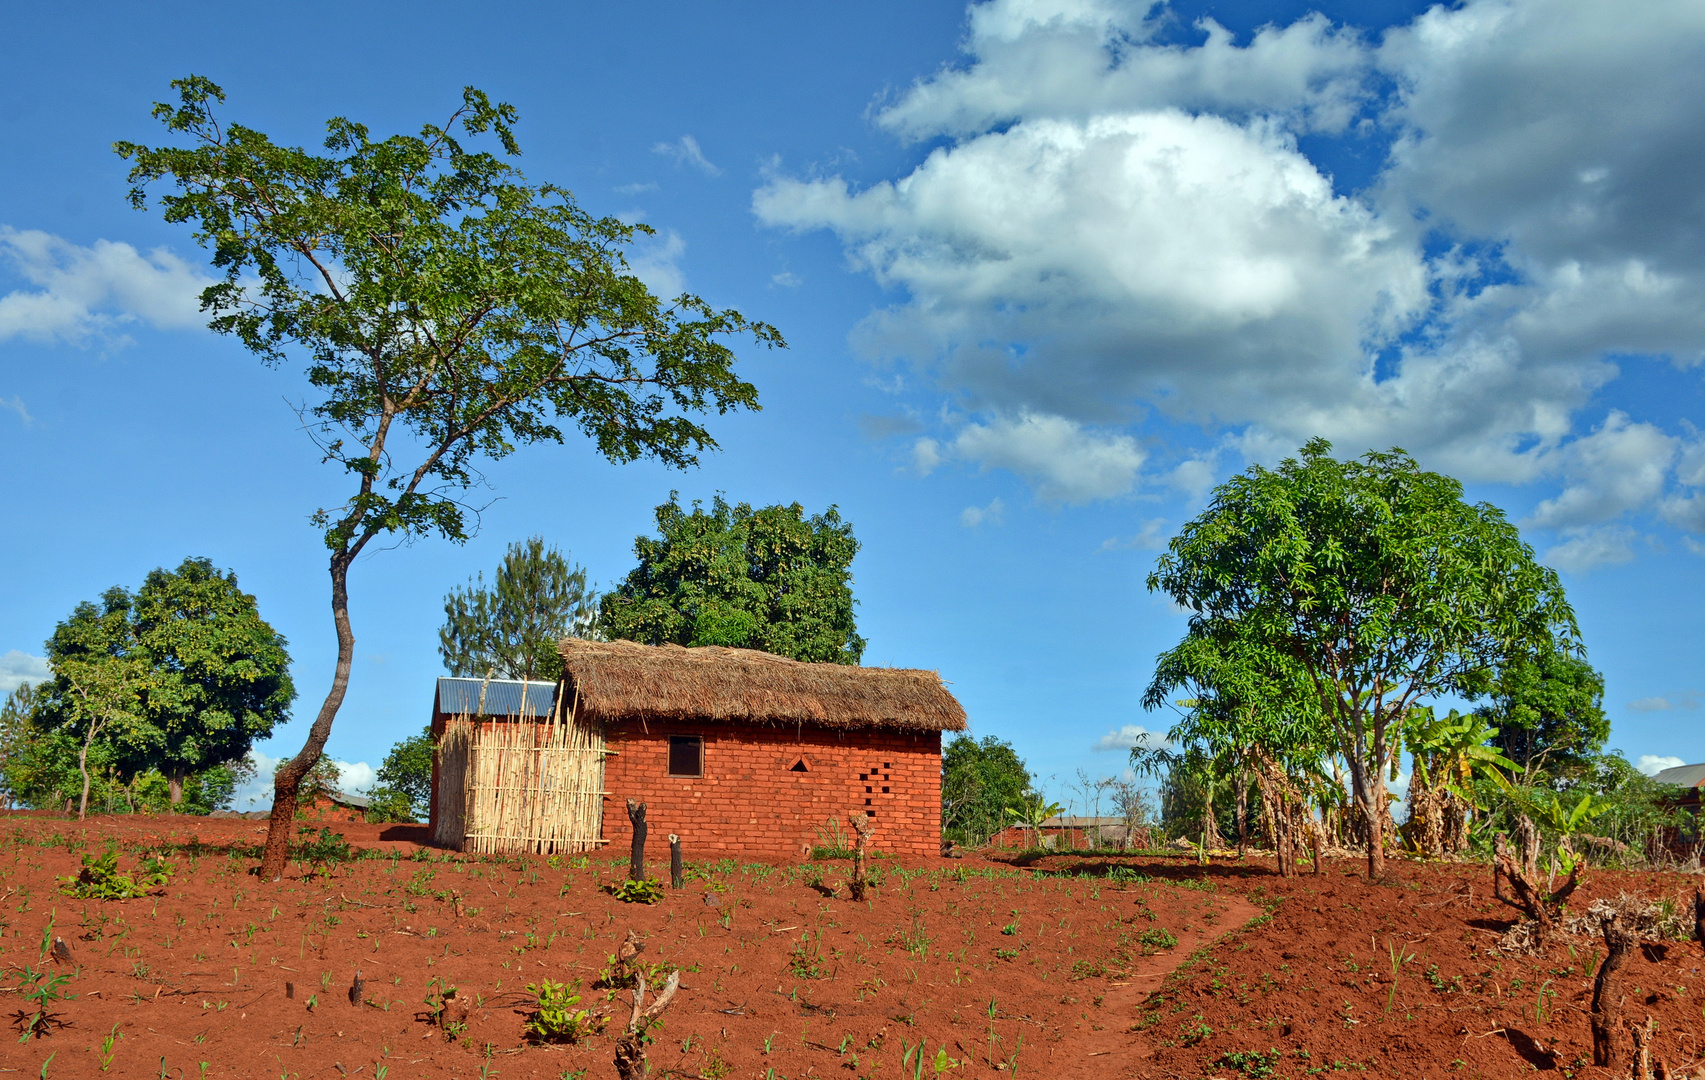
x=621, y=680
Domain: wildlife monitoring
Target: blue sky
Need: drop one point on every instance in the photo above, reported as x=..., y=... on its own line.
x=1048, y=269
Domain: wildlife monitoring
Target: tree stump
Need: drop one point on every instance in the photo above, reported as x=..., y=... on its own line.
x=1606, y=1006
x=630, y=1044
x=636, y=853
x=864, y=827
x=355, y=991
x=674, y=861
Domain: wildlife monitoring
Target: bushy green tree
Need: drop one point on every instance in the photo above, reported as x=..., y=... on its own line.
x=979, y=781
x=1376, y=582
x=511, y=629
x=446, y=309
x=770, y=579
x=404, y=791
x=1549, y=712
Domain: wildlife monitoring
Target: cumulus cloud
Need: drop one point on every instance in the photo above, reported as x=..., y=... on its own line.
x=1129, y=737
x=354, y=778
x=973, y=516
x=18, y=667
x=1583, y=548
x=1066, y=462
x=78, y=294
x=1653, y=764
x=686, y=151
x=657, y=262
x=1110, y=226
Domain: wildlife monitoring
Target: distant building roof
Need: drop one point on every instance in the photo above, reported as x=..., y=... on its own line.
x=1064, y=822
x=359, y=802
x=1682, y=776
x=502, y=697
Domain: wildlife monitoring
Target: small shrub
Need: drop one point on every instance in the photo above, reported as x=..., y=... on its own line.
x=637, y=892
x=100, y=878
x=325, y=849
x=1157, y=937
x=1251, y=1063
x=556, y=1019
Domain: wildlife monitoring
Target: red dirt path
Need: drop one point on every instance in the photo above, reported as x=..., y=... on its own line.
x=797, y=981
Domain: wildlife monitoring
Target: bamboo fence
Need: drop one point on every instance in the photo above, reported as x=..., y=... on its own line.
x=528, y=783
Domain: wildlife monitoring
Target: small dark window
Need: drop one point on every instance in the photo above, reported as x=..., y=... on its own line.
x=686, y=755
x=884, y=791
x=799, y=766
x=867, y=790
x=867, y=803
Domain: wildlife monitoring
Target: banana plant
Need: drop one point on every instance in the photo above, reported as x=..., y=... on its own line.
x=1451, y=750
x=1033, y=811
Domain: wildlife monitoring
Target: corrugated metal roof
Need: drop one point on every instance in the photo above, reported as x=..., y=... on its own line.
x=1682, y=776
x=503, y=697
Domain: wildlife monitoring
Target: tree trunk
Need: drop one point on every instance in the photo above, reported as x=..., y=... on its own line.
x=83, y=767
x=1242, y=813
x=674, y=861
x=861, y=824
x=636, y=851
x=1607, y=999
x=1374, y=810
x=175, y=789
x=288, y=780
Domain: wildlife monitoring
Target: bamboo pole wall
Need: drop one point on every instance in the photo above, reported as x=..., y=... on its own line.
x=529, y=783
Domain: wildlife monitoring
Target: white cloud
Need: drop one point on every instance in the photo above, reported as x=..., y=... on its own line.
x=656, y=261
x=1687, y=699
x=1621, y=466
x=973, y=516
x=1111, y=227
x=1586, y=547
x=354, y=778
x=82, y=294
x=926, y=456
x=1129, y=737
x=787, y=279
x=18, y=667
x=686, y=151
x=1153, y=537
x=1653, y=764
x=636, y=189
x=1067, y=463
x=16, y=404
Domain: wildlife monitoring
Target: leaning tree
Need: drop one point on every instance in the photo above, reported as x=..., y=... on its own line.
x=446, y=311
x=1377, y=581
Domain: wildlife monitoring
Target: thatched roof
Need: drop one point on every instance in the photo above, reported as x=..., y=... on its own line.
x=621, y=680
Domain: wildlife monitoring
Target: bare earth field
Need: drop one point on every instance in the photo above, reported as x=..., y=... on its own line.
x=1066, y=966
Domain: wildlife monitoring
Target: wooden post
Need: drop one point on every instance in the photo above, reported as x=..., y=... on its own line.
x=636, y=854
x=356, y=996
x=862, y=825
x=630, y=1044
x=674, y=861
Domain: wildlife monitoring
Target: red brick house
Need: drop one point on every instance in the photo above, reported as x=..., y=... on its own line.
x=742, y=753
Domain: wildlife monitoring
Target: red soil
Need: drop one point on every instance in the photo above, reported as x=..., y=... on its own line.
x=798, y=981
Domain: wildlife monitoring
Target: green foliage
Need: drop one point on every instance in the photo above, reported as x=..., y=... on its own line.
x=769, y=579
x=1549, y=712
x=405, y=781
x=40, y=990
x=323, y=850
x=101, y=879
x=434, y=292
x=637, y=892
x=511, y=629
x=979, y=780
x=1251, y=1063
x=555, y=1019
x=175, y=681
x=1157, y=937
x=1371, y=581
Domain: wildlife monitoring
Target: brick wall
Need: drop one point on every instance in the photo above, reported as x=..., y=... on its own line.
x=753, y=799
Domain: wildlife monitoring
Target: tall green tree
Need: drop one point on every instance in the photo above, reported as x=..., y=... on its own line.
x=446, y=310
x=770, y=579
x=1376, y=580
x=220, y=675
x=404, y=791
x=100, y=678
x=1549, y=712
x=511, y=629
x=979, y=781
